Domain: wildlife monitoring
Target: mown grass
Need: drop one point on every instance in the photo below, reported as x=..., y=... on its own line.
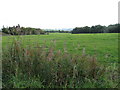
x=60, y=61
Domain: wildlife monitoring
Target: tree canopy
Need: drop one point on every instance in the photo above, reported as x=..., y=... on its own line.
x=97, y=29
x=17, y=30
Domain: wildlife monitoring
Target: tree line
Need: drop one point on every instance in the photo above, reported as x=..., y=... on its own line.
x=17, y=30
x=57, y=31
x=115, y=28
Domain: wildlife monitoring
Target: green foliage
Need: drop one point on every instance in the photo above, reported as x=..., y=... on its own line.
x=97, y=29
x=17, y=30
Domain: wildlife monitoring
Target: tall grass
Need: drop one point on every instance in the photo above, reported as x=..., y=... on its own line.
x=43, y=67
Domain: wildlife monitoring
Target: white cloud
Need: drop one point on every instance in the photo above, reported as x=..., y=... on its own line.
x=58, y=13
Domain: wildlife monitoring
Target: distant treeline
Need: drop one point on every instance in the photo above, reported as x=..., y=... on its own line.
x=115, y=28
x=57, y=31
x=17, y=30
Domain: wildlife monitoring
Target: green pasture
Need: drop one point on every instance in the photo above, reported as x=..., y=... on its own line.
x=105, y=46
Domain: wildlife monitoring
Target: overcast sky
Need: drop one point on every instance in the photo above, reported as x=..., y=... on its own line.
x=58, y=13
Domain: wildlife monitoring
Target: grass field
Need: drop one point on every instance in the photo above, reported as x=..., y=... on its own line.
x=103, y=46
